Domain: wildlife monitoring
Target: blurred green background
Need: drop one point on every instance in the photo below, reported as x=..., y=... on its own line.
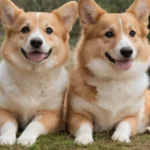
x=48, y=5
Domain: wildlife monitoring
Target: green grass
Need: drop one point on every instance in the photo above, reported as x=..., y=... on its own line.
x=63, y=141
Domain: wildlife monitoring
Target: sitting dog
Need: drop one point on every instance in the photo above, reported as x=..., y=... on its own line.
x=108, y=83
x=33, y=79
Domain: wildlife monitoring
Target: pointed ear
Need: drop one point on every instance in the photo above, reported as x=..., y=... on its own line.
x=89, y=11
x=141, y=10
x=8, y=12
x=68, y=14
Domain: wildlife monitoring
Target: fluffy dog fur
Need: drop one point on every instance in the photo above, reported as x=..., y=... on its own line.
x=106, y=90
x=33, y=79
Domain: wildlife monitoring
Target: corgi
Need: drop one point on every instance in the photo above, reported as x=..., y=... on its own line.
x=33, y=79
x=107, y=86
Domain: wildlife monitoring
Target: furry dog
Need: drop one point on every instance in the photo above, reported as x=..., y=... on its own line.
x=33, y=79
x=108, y=83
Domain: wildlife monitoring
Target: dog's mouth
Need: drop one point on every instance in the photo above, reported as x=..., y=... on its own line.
x=36, y=56
x=121, y=64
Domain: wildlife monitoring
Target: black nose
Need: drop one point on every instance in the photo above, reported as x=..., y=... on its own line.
x=36, y=43
x=126, y=52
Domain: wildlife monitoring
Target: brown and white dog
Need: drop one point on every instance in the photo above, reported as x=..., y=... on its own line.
x=108, y=84
x=33, y=80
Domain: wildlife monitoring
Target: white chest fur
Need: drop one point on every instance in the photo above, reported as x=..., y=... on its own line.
x=120, y=94
x=119, y=99
x=115, y=100
x=26, y=94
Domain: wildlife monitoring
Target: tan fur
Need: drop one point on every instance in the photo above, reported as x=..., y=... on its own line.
x=147, y=103
x=47, y=20
x=5, y=116
x=51, y=121
x=75, y=120
x=78, y=85
x=34, y=91
x=84, y=101
x=145, y=115
x=133, y=121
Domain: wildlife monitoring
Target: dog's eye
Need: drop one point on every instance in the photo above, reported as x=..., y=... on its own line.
x=109, y=34
x=132, y=33
x=49, y=30
x=25, y=30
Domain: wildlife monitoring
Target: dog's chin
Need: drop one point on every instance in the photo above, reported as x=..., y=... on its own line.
x=36, y=56
x=123, y=65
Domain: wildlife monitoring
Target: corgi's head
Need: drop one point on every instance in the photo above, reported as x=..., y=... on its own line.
x=114, y=44
x=38, y=40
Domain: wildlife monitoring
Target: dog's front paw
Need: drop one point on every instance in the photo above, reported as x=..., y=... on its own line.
x=121, y=137
x=26, y=140
x=7, y=140
x=84, y=139
x=148, y=129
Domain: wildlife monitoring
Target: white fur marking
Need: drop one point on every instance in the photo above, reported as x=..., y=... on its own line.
x=31, y=133
x=122, y=133
x=121, y=25
x=84, y=134
x=124, y=42
x=101, y=68
x=8, y=133
x=37, y=34
x=53, y=84
x=148, y=129
x=38, y=16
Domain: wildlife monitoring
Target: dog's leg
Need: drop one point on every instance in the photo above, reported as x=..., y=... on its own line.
x=8, y=128
x=125, y=129
x=45, y=122
x=82, y=127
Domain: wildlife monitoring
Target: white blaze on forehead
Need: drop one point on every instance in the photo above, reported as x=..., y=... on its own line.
x=38, y=16
x=37, y=34
x=124, y=41
x=120, y=22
